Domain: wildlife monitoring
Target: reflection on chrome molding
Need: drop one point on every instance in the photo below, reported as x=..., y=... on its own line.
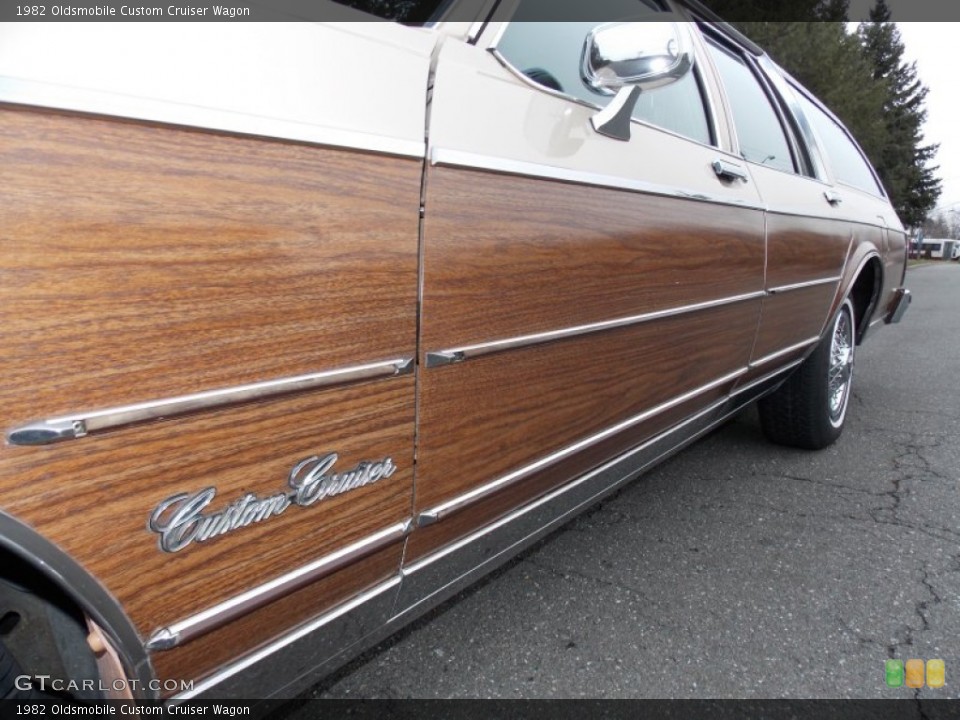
x=61, y=97
x=474, y=161
x=217, y=616
x=69, y=427
x=439, y=512
x=432, y=579
x=297, y=659
x=304, y=649
x=765, y=378
x=455, y=355
x=802, y=285
x=785, y=351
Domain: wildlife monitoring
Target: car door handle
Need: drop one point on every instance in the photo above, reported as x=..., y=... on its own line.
x=726, y=170
x=833, y=197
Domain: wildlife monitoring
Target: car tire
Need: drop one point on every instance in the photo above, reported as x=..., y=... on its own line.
x=809, y=409
x=10, y=670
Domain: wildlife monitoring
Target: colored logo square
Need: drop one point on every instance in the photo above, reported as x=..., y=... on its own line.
x=914, y=673
x=893, y=670
x=936, y=673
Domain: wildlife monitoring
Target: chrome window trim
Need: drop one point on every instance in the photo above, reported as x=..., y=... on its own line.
x=97, y=102
x=801, y=285
x=734, y=131
x=798, y=88
x=467, y=352
x=475, y=29
x=785, y=351
x=440, y=156
x=702, y=91
x=77, y=425
x=206, y=621
x=783, y=88
x=445, y=509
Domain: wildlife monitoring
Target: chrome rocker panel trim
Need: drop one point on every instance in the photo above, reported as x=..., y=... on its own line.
x=70, y=427
x=267, y=672
x=439, y=512
x=208, y=620
x=289, y=665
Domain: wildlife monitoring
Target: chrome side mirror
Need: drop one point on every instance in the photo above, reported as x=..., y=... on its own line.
x=628, y=57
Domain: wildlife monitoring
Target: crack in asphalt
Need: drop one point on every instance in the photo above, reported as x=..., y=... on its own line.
x=910, y=464
x=923, y=605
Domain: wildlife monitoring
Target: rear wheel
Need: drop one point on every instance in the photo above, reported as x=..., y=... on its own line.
x=809, y=409
x=42, y=634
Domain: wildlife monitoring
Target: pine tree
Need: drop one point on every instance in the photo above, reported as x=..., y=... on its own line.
x=902, y=161
x=830, y=64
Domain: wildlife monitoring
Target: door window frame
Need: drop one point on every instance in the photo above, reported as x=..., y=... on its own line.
x=706, y=98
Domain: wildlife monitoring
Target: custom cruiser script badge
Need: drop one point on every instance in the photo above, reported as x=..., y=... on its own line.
x=180, y=520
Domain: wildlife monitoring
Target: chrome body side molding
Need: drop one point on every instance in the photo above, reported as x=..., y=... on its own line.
x=455, y=355
x=785, y=351
x=293, y=660
x=474, y=161
x=219, y=615
x=215, y=82
x=58, y=97
x=68, y=427
x=753, y=384
x=446, y=157
x=439, y=512
x=287, y=666
x=802, y=285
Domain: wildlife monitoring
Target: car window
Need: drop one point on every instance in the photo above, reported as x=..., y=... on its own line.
x=549, y=53
x=761, y=136
x=846, y=161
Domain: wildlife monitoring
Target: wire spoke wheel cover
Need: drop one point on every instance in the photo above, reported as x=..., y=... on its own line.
x=840, y=372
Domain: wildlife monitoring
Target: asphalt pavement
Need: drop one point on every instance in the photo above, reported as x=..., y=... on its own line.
x=738, y=569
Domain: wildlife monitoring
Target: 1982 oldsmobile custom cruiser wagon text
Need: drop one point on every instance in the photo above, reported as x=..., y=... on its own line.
x=308, y=326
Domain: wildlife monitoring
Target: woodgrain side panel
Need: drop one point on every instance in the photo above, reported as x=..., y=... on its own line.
x=426, y=540
x=210, y=652
x=140, y=262
x=804, y=249
x=492, y=415
x=506, y=256
x=792, y=317
x=80, y=492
